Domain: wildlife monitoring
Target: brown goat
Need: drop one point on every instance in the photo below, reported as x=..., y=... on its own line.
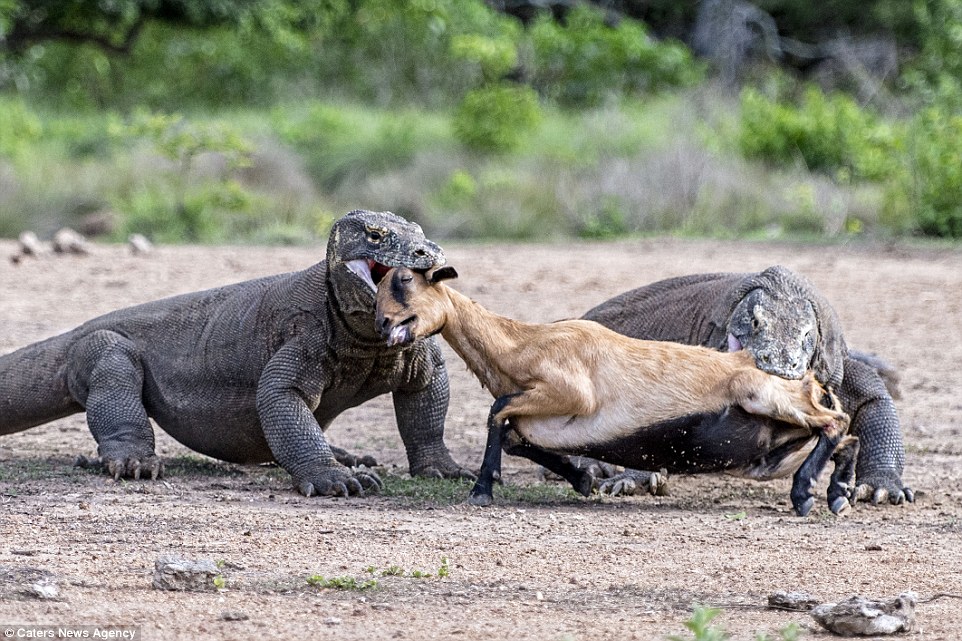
x=565, y=387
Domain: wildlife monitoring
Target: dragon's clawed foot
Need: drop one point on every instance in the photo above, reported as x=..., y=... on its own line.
x=347, y=459
x=337, y=480
x=443, y=468
x=632, y=482
x=135, y=467
x=883, y=489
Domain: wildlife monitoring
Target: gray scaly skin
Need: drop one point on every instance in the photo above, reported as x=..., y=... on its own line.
x=780, y=318
x=251, y=372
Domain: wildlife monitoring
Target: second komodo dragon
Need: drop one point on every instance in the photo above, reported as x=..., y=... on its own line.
x=251, y=372
x=784, y=322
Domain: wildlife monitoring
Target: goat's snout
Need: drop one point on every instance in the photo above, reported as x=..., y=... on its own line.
x=395, y=333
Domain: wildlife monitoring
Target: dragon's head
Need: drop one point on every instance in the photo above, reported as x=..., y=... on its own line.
x=781, y=332
x=364, y=245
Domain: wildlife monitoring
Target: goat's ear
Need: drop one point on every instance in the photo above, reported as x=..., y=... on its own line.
x=437, y=274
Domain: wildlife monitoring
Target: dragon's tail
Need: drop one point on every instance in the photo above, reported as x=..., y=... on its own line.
x=33, y=385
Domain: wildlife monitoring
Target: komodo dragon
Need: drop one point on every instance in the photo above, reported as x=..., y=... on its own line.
x=251, y=372
x=779, y=317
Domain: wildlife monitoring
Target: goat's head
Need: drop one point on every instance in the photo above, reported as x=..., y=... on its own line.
x=411, y=304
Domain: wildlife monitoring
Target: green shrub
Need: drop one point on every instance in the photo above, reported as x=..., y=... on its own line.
x=935, y=176
x=936, y=73
x=829, y=133
x=494, y=56
x=584, y=60
x=425, y=51
x=351, y=142
x=494, y=118
x=20, y=128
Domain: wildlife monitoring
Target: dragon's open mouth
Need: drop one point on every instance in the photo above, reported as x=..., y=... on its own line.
x=368, y=270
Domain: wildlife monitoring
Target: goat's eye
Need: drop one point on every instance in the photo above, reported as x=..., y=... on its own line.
x=407, y=278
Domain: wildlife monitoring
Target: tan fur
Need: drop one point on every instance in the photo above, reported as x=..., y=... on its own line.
x=579, y=382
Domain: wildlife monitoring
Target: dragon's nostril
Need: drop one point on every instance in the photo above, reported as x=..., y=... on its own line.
x=420, y=253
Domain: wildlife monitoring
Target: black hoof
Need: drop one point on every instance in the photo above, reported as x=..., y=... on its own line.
x=803, y=506
x=840, y=505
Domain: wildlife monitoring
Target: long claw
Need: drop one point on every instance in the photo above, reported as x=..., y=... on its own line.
x=306, y=488
x=863, y=492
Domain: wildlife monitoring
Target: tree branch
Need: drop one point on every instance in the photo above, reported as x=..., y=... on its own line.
x=20, y=38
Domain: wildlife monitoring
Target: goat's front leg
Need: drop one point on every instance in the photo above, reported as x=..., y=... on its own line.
x=482, y=492
x=807, y=474
x=841, y=487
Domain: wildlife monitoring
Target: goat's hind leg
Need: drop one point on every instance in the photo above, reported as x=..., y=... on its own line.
x=482, y=494
x=581, y=478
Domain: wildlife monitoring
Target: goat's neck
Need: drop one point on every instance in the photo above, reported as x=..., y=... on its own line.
x=484, y=340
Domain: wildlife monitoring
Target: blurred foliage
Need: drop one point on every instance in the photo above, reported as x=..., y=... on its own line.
x=829, y=133
x=936, y=74
x=20, y=128
x=343, y=143
x=471, y=120
x=496, y=118
x=933, y=181
x=584, y=60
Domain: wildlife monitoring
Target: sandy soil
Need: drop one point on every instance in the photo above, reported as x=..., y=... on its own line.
x=556, y=567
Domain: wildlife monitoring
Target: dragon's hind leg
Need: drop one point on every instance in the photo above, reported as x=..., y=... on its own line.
x=106, y=376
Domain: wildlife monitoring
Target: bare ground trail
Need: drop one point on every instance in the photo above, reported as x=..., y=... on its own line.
x=552, y=566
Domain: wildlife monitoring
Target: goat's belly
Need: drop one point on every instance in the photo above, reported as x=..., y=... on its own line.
x=573, y=433
x=727, y=441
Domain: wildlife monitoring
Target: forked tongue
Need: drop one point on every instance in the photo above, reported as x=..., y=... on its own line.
x=734, y=344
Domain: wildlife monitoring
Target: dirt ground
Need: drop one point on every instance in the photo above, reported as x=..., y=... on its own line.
x=552, y=567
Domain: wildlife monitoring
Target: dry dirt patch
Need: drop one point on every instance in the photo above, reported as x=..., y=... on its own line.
x=548, y=565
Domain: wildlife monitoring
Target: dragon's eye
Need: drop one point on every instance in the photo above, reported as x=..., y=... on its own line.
x=375, y=235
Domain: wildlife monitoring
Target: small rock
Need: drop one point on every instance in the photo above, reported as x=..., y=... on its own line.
x=67, y=241
x=233, y=615
x=859, y=616
x=23, y=583
x=30, y=245
x=173, y=573
x=332, y=621
x=799, y=601
x=98, y=223
x=139, y=244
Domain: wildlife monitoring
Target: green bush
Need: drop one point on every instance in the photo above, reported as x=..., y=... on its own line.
x=20, y=128
x=350, y=142
x=935, y=177
x=584, y=60
x=829, y=133
x=495, y=118
x=423, y=51
x=936, y=73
